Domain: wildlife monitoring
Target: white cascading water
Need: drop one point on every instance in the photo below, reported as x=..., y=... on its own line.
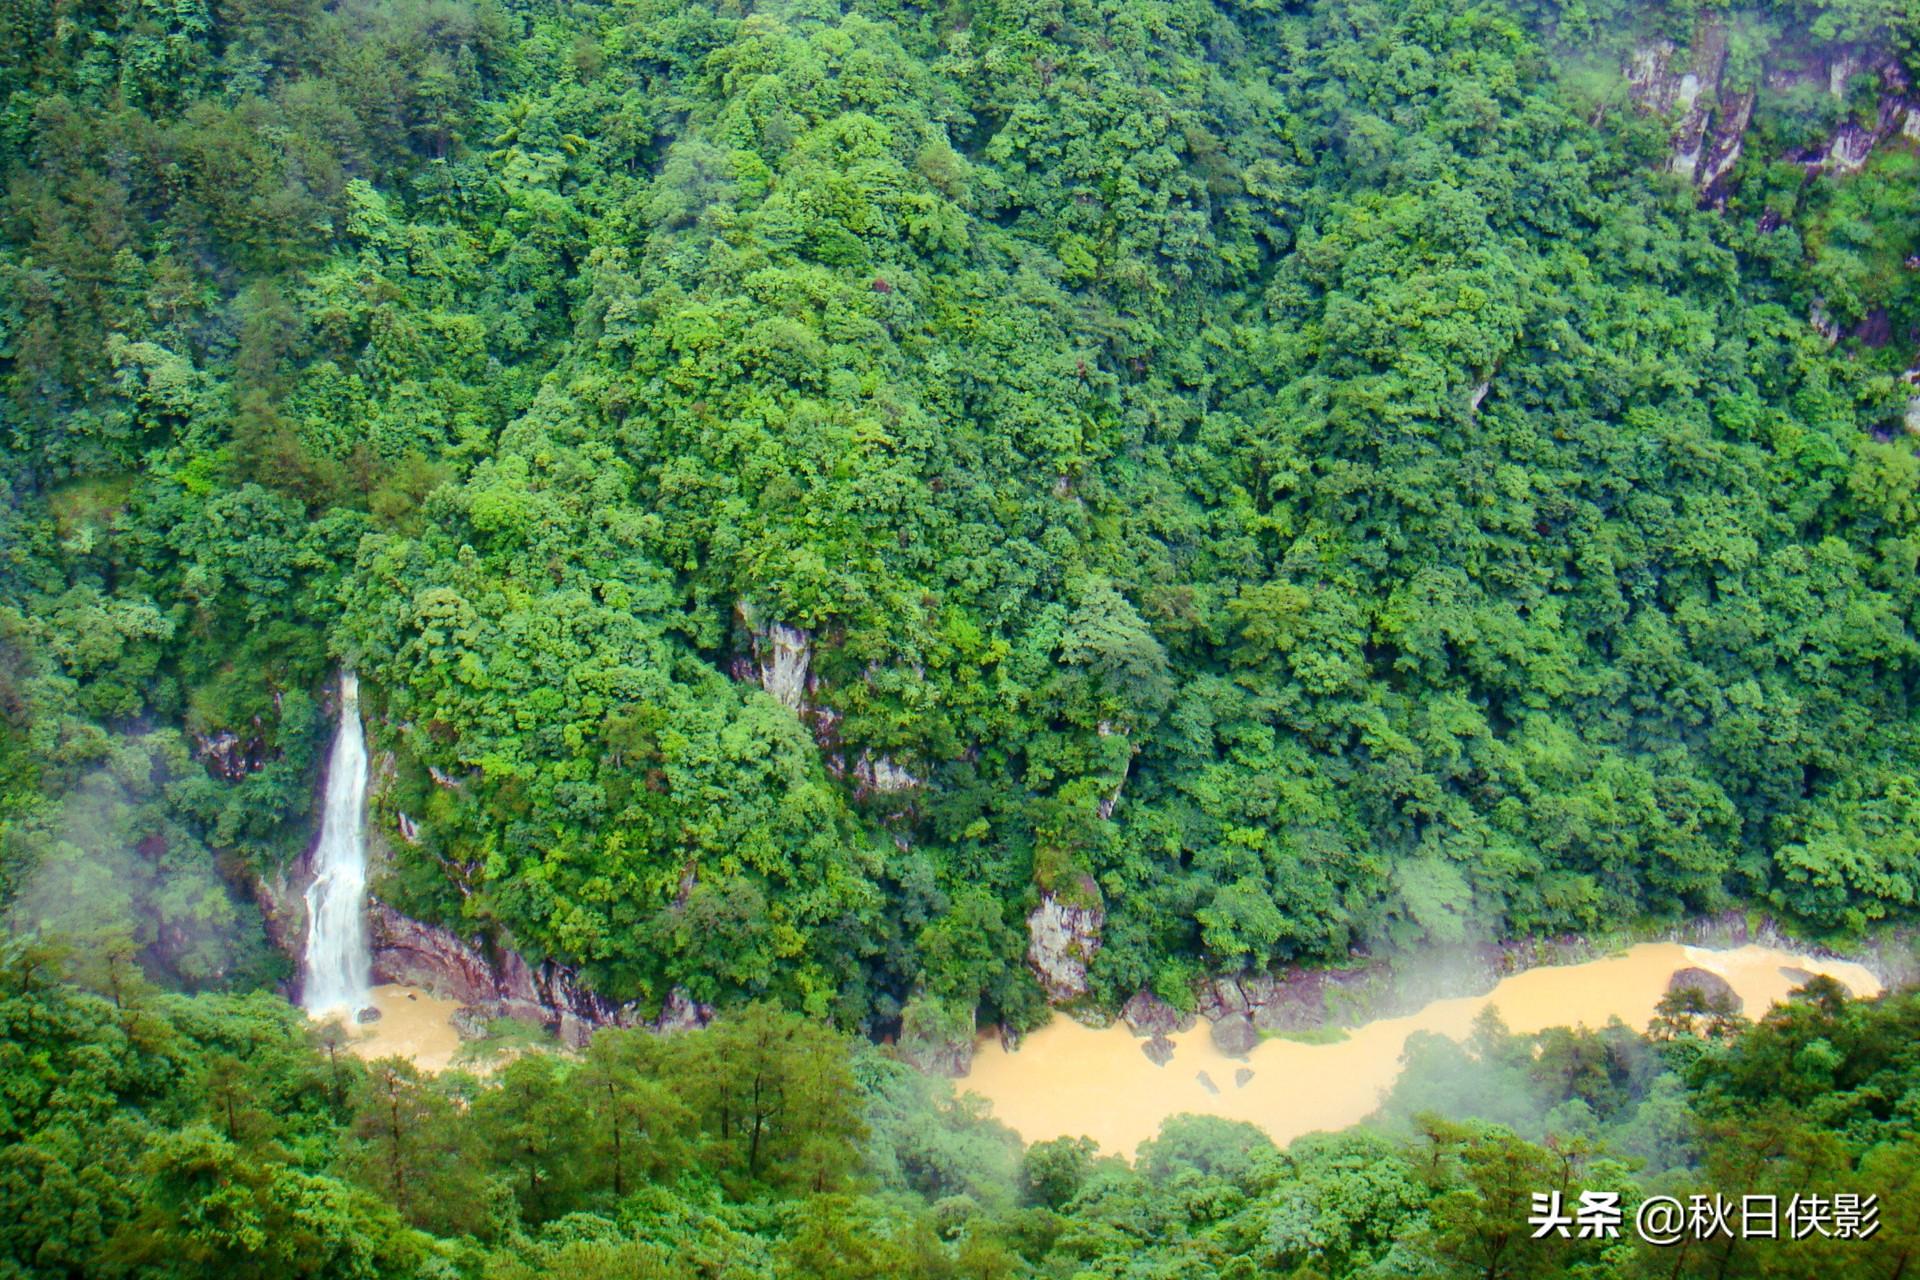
x=337, y=960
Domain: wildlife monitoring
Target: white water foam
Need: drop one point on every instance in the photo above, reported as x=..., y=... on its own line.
x=337, y=960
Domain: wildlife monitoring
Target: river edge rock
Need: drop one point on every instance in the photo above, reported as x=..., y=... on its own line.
x=489, y=981
x=1301, y=999
x=504, y=985
x=1710, y=985
x=412, y=952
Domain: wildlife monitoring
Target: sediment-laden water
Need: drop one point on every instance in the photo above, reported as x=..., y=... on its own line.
x=412, y=1024
x=1067, y=1079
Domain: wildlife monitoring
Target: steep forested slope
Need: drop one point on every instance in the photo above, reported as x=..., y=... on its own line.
x=803, y=485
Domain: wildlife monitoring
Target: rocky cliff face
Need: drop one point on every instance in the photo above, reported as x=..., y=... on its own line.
x=1062, y=941
x=503, y=984
x=1711, y=112
x=491, y=982
x=782, y=656
x=230, y=756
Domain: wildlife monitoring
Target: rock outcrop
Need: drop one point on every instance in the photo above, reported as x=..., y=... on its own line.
x=1062, y=941
x=1684, y=84
x=1149, y=1015
x=1111, y=801
x=409, y=951
x=782, y=655
x=879, y=775
x=231, y=757
x=1709, y=984
x=1234, y=1035
x=937, y=1037
x=1710, y=114
x=471, y=1022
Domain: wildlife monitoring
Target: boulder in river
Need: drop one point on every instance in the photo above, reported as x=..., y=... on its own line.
x=1717, y=991
x=1235, y=1035
x=1149, y=1015
x=1159, y=1050
x=1241, y=1077
x=368, y=1014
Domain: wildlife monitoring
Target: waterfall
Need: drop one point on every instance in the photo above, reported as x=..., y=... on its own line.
x=337, y=960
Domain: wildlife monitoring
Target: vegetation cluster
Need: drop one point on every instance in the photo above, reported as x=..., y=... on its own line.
x=157, y=1135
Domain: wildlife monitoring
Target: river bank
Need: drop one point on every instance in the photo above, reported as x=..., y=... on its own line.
x=1069, y=1079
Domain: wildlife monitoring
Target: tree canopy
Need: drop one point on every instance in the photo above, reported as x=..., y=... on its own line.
x=799, y=483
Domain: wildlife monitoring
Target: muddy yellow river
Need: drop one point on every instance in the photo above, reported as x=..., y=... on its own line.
x=412, y=1025
x=1068, y=1080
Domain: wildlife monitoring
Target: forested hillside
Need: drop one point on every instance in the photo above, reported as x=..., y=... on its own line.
x=162, y=1136
x=803, y=486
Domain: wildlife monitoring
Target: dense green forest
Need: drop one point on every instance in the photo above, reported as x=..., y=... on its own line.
x=161, y=1136
x=799, y=483
x=803, y=485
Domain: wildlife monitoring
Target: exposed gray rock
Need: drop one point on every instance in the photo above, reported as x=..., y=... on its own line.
x=681, y=1012
x=1221, y=997
x=1710, y=115
x=1110, y=801
x=368, y=1014
x=1206, y=1082
x=1149, y=1015
x=412, y=952
x=1707, y=983
x=785, y=656
x=283, y=909
x=1822, y=321
x=950, y=1058
x=1062, y=941
x=1723, y=144
x=1234, y=1035
x=1297, y=1004
x=232, y=757
x=880, y=775
x=1159, y=1050
x=1241, y=1076
x=504, y=985
x=409, y=829
x=470, y=1022
x=1257, y=989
